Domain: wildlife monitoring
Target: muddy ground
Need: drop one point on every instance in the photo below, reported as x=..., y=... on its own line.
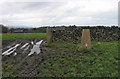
x=28, y=64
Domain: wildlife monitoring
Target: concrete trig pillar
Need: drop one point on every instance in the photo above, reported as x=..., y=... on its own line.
x=49, y=35
x=86, y=39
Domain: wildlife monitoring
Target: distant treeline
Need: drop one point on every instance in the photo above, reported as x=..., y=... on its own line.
x=23, y=30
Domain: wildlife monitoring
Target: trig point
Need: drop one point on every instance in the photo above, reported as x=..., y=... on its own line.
x=49, y=35
x=86, y=39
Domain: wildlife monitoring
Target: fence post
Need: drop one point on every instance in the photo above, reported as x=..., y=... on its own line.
x=49, y=35
x=86, y=39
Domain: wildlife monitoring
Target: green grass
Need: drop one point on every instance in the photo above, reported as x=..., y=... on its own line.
x=10, y=67
x=14, y=36
x=64, y=45
x=0, y=40
x=100, y=61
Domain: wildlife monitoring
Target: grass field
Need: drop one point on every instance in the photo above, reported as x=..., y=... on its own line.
x=13, y=36
x=100, y=61
x=0, y=40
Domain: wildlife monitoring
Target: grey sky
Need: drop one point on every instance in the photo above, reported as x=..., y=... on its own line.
x=64, y=12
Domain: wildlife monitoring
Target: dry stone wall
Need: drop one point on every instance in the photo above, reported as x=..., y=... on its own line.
x=75, y=33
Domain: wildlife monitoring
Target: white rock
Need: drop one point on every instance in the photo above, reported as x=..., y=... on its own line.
x=8, y=51
x=15, y=54
x=27, y=47
x=24, y=45
x=36, y=48
x=32, y=43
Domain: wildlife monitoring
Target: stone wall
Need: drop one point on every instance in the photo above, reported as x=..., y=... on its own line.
x=75, y=33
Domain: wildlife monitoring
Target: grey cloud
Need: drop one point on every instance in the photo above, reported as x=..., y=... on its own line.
x=59, y=13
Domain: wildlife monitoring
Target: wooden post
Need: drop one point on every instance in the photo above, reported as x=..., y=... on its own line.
x=86, y=39
x=49, y=35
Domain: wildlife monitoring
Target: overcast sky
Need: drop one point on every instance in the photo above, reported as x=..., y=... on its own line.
x=64, y=12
